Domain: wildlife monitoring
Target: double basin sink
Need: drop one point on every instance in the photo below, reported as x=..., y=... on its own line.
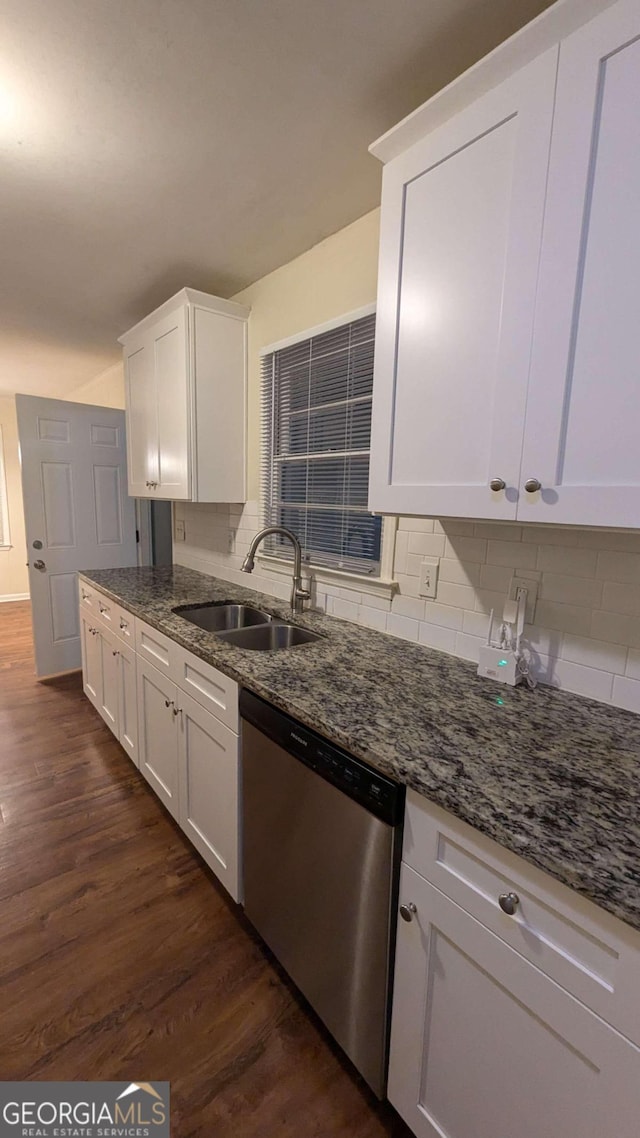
x=245, y=626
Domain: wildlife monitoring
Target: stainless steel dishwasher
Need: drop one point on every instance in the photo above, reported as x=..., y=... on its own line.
x=321, y=847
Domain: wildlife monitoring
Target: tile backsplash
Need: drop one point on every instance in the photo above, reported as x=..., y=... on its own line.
x=586, y=633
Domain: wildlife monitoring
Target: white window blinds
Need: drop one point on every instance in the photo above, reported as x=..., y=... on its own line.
x=316, y=401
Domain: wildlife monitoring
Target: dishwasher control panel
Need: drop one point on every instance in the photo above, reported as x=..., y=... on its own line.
x=379, y=794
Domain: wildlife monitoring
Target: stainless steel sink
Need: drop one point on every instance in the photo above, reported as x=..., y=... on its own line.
x=222, y=617
x=269, y=637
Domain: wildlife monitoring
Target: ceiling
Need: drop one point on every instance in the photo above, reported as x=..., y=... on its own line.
x=149, y=144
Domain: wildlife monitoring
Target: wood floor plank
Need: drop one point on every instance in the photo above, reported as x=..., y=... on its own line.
x=120, y=955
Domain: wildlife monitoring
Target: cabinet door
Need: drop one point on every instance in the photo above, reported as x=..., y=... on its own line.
x=170, y=348
x=108, y=705
x=483, y=1044
x=209, y=802
x=128, y=701
x=158, y=734
x=583, y=409
x=142, y=419
x=91, y=659
x=459, y=246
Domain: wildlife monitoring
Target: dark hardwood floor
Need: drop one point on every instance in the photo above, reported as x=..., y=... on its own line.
x=121, y=957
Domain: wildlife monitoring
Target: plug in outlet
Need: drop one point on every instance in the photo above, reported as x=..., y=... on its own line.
x=428, y=581
x=180, y=530
x=231, y=541
x=532, y=595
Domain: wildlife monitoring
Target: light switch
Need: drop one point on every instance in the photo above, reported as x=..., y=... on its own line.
x=428, y=581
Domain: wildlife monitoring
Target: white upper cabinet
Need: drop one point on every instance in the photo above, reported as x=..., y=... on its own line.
x=583, y=411
x=460, y=238
x=509, y=270
x=185, y=384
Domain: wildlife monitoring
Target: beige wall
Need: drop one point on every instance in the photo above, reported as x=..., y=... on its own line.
x=14, y=579
x=335, y=277
x=106, y=390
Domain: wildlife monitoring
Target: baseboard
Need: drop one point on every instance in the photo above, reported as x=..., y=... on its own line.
x=14, y=597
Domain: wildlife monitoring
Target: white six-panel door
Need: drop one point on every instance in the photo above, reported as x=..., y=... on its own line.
x=583, y=411
x=461, y=223
x=77, y=511
x=484, y=1045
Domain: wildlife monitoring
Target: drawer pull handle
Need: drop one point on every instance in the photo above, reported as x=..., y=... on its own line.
x=407, y=911
x=508, y=902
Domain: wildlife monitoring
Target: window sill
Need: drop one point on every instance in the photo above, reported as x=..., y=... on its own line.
x=373, y=586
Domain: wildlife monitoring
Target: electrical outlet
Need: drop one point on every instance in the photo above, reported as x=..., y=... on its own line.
x=231, y=541
x=428, y=582
x=180, y=530
x=532, y=595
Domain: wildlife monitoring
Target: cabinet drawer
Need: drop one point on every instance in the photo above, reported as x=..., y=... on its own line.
x=124, y=626
x=155, y=648
x=106, y=611
x=211, y=688
x=87, y=596
x=584, y=949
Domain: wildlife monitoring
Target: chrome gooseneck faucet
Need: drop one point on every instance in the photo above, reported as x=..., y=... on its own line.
x=298, y=594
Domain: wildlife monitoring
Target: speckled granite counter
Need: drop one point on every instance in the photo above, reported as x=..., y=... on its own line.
x=551, y=776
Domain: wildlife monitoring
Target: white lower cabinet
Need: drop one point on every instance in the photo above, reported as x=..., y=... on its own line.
x=485, y=1042
x=191, y=760
x=108, y=704
x=128, y=701
x=158, y=734
x=209, y=790
x=91, y=659
x=177, y=718
x=109, y=681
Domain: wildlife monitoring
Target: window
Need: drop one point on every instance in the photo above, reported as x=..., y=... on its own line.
x=4, y=511
x=316, y=401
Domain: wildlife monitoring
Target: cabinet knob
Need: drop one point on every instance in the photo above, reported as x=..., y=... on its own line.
x=497, y=484
x=508, y=902
x=407, y=911
x=168, y=703
x=124, y=624
x=177, y=711
x=532, y=485
x=114, y=653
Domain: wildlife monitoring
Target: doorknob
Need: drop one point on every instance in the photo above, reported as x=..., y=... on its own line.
x=39, y=565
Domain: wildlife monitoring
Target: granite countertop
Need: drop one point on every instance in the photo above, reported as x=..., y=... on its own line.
x=551, y=776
